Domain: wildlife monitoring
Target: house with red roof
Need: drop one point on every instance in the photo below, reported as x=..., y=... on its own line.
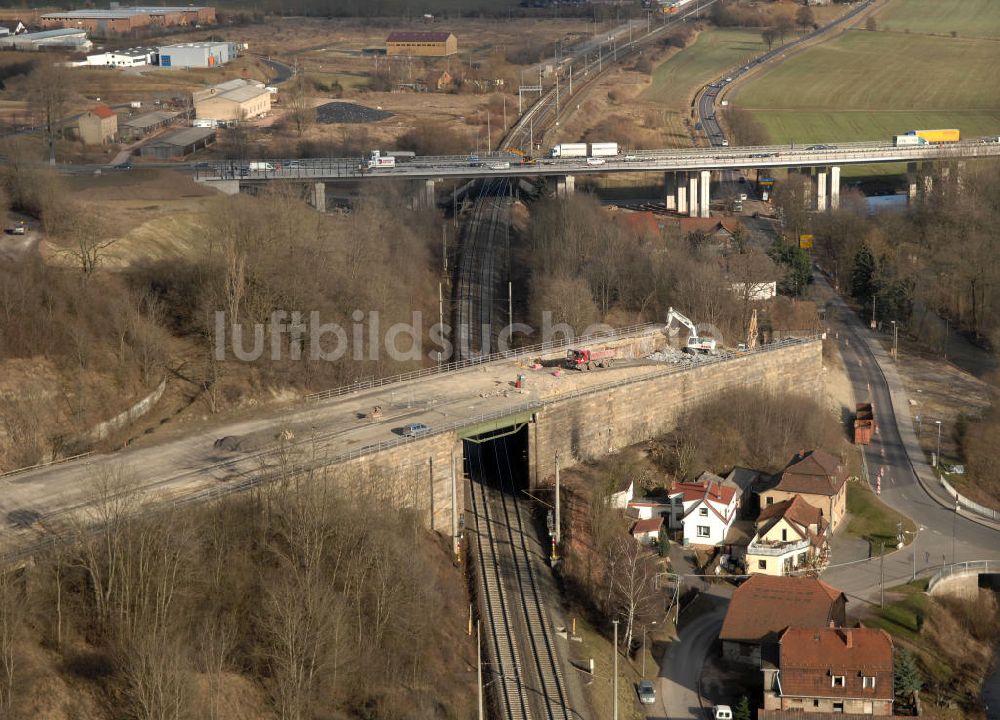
x=647, y=531
x=830, y=671
x=704, y=510
x=819, y=477
x=788, y=535
x=98, y=126
x=765, y=606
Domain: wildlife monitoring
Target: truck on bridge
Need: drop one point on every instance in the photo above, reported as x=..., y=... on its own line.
x=376, y=159
x=926, y=137
x=584, y=150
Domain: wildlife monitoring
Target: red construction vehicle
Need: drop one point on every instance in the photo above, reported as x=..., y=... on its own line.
x=864, y=423
x=590, y=359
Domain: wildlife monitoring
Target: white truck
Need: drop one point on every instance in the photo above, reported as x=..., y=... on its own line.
x=582, y=150
x=907, y=140
x=135, y=104
x=256, y=166
x=376, y=159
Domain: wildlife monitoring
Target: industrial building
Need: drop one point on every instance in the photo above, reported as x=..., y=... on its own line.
x=117, y=20
x=132, y=57
x=98, y=126
x=197, y=54
x=422, y=44
x=63, y=39
x=234, y=100
x=178, y=143
x=142, y=125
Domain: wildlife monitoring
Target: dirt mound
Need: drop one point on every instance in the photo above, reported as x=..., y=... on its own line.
x=347, y=112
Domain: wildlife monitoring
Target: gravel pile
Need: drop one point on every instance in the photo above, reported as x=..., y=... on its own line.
x=346, y=112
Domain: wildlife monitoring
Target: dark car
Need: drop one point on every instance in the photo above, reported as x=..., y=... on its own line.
x=127, y=165
x=413, y=430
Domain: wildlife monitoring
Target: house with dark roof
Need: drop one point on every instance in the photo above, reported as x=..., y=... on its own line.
x=421, y=44
x=831, y=670
x=647, y=531
x=821, y=480
x=765, y=606
x=788, y=535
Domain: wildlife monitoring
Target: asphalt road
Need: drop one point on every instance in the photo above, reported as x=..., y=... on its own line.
x=947, y=537
x=677, y=690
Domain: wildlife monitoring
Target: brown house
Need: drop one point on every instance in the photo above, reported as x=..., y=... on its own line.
x=421, y=44
x=765, y=606
x=98, y=126
x=831, y=670
x=819, y=478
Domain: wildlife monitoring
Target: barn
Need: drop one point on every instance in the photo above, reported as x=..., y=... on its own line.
x=421, y=44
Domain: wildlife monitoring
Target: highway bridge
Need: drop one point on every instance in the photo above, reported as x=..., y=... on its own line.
x=688, y=170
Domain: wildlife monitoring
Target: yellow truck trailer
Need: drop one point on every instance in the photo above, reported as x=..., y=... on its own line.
x=938, y=136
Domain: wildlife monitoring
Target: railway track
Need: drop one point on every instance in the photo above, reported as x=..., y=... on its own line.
x=515, y=598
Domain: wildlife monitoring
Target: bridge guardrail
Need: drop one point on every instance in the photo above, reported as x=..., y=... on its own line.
x=962, y=568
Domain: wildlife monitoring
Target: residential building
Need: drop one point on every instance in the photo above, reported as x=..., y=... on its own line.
x=650, y=507
x=197, y=54
x=831, y=670
x=819, y=478
x=178, y=143
x=61, y=39
x=647, y=531
x=704, y=510
x=742, y=479
x=98, y=126
x=234, y=100
x=622, y=494
x=764, y=606
x=755, y=291
x=424, y=44
x=142, y=125
x=789, y=535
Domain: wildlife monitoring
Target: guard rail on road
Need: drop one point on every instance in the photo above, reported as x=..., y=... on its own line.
x=962, y=568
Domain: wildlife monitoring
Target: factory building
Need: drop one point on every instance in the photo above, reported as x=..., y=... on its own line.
x=117, y=20
x=132, y=57
x=421, y=44
x=234, y=100
x=142, y=125
x=197, y=54
x=61, y=39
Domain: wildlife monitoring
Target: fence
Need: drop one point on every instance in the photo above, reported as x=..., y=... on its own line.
x=964, y=502
x=962, y=568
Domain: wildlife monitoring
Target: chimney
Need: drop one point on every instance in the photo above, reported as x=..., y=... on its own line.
x=833, y=624
x=849, y=638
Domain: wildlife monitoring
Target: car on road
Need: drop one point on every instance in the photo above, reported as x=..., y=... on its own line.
x=19, y=228
x=722, y=712
x=630, y=158
x=414, y=430
x=646, y=691
x=595, y=161
x=127, y=165
x=500, y=166
x=725, y=143
x=729, y=79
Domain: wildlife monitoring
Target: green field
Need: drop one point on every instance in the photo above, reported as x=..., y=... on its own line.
x=675, y=81
x=868, y=86
x=975, y=18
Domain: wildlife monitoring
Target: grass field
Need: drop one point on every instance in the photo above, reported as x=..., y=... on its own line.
x=871, y=85
x=873, y=520
x=974, y=18
x=676, y=80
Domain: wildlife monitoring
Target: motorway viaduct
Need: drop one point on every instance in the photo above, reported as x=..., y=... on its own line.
x=579, y=415
x=687, y=172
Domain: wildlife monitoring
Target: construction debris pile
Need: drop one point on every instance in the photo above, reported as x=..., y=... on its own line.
x=672, y=355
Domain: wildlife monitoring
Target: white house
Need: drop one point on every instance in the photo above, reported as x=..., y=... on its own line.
x=622, y=494
x=705, y=510
x=648, y=508
x=133, y=57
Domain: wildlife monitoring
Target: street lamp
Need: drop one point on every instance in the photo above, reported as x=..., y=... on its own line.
x=895, y=341
x=913, y=546
x=937, y=458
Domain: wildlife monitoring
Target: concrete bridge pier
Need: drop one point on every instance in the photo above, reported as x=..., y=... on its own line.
x=821, y=190
x=682, y=195
x=565, y=186
x=693, y=194
x=835, y=187
x=705, y=204
x=670, y=190
x=319, y=196
x=827, y=186
x=426, y=197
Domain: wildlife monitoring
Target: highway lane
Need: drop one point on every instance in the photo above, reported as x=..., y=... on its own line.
x=947, y=537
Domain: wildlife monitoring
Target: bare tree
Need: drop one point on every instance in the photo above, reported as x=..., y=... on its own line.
x=769, y=36
x=12, y=613
x=299, y=101
x=632, y=582
x=49, y=90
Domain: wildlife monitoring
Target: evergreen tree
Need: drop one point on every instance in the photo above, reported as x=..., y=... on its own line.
x=663, y=542
x=907, y=677
x=742, y=709
x=863, y=285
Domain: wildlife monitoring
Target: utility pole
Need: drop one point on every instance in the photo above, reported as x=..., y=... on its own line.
x=479, y=668
x=570, y=79
x=557, y=98
x=454, y=509
x=556, y=537
x=440, y=319
x=489, y=133
x=505, y=111
x=615, y=650
x=510, y=304
x=444, y=246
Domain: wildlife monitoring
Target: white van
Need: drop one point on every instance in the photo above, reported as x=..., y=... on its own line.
x=722, y=712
